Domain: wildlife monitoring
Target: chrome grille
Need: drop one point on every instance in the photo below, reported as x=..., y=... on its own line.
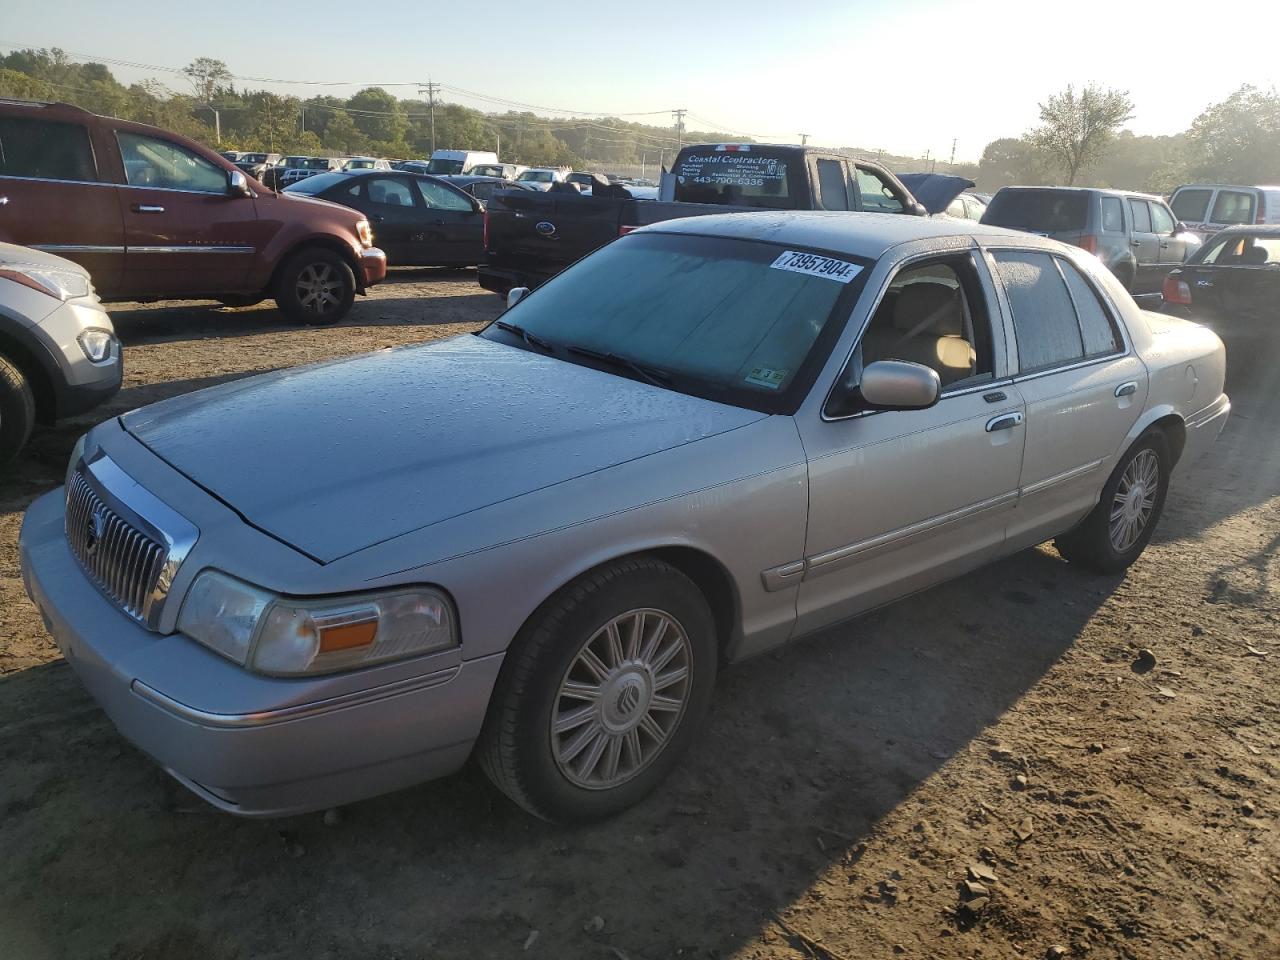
x=123, y=561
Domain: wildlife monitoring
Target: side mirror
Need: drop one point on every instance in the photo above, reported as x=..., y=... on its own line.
x=1180, y=227
x=899, y=385
x=918, y=209
x=237, y=184
x=516, y=294
x=477, y=205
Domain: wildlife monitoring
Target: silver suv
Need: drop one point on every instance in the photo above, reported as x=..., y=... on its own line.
x=58, y=351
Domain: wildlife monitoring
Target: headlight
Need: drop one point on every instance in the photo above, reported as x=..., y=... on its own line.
x=96, y=344
x=364, y=232
x=290, y=636
x=57, y=282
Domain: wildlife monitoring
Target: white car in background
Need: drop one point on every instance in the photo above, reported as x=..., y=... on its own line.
x=542, y=178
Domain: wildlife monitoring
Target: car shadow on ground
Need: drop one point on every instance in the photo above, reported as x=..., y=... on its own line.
x=806, y=751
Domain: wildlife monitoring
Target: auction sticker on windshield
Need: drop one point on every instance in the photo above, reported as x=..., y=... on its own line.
x=841, y=271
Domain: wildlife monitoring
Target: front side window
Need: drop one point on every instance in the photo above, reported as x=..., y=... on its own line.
x=1141, y=214
x=1238, y=250
x=45, y=150
x=935, y=315
x=150, y=162
x=833, y=188
x=1191, y=205
x=1044, y=317
x=877, y=195
x=738, y=321
x=439, y=197
x=1112, y=215
x=1232, y=206
x=1161, y=218
x=389, y=192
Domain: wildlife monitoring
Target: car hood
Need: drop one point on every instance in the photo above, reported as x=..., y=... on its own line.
x=935, y=190
x=336, y=457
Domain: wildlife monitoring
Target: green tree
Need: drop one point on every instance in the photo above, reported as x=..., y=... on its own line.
x=342, y=136
x=1238, y=140
x=15, y=85
x=1007, y=161
x=207, y=76
x=377, y=114
x=1075, y=129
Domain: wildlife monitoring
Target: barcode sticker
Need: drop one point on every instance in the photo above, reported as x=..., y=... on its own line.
x=841, y=271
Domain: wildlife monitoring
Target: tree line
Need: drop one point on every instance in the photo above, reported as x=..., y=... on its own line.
x=1079, y=140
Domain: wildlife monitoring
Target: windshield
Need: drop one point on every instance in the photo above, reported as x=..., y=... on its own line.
x=1042, y=211
x=444, y=166
x=317, y=184
x=361, y=165
x=254, y=158
x=738, y=321
x=734, y=177
x=537, y=176
x=488, y=170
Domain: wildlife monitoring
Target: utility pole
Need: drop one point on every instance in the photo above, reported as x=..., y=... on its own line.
x=679, y=115
x=430, y=89
x=953, y=152
x=804, y=139
x=217, y=123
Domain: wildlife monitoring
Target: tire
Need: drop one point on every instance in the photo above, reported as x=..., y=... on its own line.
x=1094, y=543
x=551, y=774
x=17, y=410
x=316, y=287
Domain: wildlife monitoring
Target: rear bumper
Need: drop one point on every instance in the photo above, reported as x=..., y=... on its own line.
x=1203, y=428
x=284, y=758
x=373, y=267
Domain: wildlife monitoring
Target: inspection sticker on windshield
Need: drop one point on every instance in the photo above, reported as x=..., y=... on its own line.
x=841, y=271
x=767, y=377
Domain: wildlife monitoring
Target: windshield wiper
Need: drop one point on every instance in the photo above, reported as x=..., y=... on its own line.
x=530, y=338
x=654, y=375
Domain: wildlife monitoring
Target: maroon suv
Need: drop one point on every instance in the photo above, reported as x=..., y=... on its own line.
x=155, y=216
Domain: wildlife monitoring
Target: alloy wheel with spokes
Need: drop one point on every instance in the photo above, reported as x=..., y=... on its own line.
x=319, y=288
x=622, y=696
x=1134, y=500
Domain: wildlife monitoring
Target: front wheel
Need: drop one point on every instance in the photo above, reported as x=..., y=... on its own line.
x=1118, y=529
x=315, y=286
x=601, y=692
x=17, y=410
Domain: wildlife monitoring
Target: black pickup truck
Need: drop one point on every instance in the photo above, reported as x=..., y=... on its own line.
x=530, y=237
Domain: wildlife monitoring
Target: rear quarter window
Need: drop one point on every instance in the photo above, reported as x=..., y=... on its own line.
x=1039, y=211
x=45, y=150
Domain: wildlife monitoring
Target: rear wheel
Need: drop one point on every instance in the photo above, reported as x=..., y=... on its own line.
x=315, y=286
x=1117, y=530
x=601, y=692
x=17, y=410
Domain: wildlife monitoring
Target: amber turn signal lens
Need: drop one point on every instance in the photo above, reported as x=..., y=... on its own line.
x=347, y=635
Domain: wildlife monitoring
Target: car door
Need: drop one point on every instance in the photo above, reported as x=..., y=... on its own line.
x=1171, y=246
x=1191, y=207
x=54, y=197
x=1238, y=279
x=185, y=235
x=900, y=499
x=398, y=219
x=1082, y=385
x=1146, y=247
x=454, y=224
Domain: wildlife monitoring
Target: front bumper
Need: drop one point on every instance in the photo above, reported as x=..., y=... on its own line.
x=288, y=757
x=373, y=267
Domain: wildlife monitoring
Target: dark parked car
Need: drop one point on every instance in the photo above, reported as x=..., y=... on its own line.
x=256, y=164
x=1135, y=235
x=419, y=220
x=1235, y=275
x=483, y=188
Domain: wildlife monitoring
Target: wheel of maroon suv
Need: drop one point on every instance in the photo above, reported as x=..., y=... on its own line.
x=315, y=286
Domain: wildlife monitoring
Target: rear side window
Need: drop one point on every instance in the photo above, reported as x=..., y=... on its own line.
x=1112, y=215
x=1232, y=206
x=150, y=162
x=1191, y=205
x=1097, y=329
x=1040, y=211
x=45, y=150
x=833, y=188
x=877, y=195
x=734, y=177
x=1044, y=317
x=1141, y=214
x=388, y=192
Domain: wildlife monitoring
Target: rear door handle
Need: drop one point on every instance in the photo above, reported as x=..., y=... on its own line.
x=1006, y=421
x=1127, y=389
x=146, y=208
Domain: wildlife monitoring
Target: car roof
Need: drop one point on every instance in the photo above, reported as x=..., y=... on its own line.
x=1226, y=186
x=1259, y=229
x=1109, y=191
x=866, y=235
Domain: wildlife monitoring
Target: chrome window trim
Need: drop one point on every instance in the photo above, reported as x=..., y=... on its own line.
x=884, y=287
x=299, y=711
x=78, y=183
x=139, y=506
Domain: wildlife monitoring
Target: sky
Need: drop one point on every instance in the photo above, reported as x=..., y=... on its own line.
x=907, y=77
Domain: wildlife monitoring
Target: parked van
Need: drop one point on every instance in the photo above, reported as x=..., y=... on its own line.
x=1207, y=208
x=155, y=216
x=459, y=161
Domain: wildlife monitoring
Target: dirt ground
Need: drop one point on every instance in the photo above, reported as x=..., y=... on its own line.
x=839, y=798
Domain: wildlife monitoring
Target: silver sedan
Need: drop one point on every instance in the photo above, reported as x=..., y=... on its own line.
x=538, y=544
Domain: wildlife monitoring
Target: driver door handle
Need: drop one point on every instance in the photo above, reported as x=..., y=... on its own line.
x=146, y=208
x=1006, y=421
